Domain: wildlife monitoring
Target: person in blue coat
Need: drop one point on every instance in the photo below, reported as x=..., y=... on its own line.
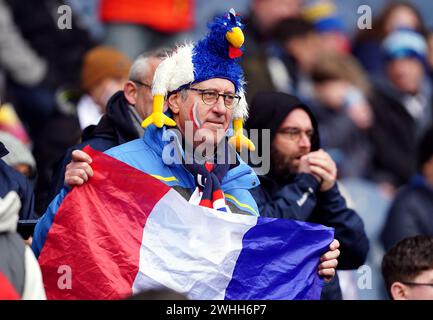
x=202, y=86
x=301, y=183
x=12, y=180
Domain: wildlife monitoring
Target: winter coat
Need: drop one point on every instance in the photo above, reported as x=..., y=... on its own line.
x=298, y=197
x=410, y=214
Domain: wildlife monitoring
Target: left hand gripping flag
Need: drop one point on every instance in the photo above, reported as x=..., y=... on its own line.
x=124, y=232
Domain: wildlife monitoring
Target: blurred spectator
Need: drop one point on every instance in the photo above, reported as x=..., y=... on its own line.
x=17, y=261
x=411, y=213
x=407, y=269
x=62, y=50
x=343, y=112
x=87, y=13
x=264, y=16
x=122, y=121
x=299, y=41
x=19, y=157
x=12, y=180
x=104, y=72
x=402, y=106
x=264, y=63
x=17, y=58
x=301, y=183
x=135, y=26
x=328, y=24
x=367, y=43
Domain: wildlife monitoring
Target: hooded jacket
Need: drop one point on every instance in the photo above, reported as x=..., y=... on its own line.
x=298, y=197
x=115, y=127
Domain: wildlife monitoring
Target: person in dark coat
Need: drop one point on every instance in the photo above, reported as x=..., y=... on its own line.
x=411, y=212
x=402, y=107
x=122, y=122
x=301, y=183
x=12, y=180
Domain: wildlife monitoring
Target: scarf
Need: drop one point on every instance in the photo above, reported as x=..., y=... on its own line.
x=208, y=177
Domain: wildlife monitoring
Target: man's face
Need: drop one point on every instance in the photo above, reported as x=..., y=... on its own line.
x=292, y=141
x=406, y=74
x=209, y=120
x=139, y=92
x=144, y=99
x=415, y=291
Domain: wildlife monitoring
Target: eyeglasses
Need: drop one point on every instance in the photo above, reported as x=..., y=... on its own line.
x=142, y=84
x=418, y=284
x=210, y=97
x=295, y=134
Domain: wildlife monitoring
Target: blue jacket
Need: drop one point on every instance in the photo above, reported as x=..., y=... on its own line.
x=149, y=154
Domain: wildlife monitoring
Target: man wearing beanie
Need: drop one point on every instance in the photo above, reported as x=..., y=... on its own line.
x=104, y=72
x=402, y=106
x=411, y=212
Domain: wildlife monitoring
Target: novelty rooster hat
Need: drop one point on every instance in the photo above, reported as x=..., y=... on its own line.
x=215, y=56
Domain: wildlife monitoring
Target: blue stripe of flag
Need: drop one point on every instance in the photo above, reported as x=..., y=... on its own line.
x=279, y=260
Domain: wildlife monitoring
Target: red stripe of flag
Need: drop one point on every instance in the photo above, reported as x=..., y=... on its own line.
x=97, y=232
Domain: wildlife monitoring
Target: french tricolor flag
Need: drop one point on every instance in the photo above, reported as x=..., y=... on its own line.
x=124, y=232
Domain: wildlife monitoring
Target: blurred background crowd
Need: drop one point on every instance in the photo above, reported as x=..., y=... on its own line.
x=370, y=89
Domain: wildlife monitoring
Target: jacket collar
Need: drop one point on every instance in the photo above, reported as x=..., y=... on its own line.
x=240, y=176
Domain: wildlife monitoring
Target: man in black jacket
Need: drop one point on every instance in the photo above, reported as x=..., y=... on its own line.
x=122, y=122
x=403, y=109
x=411, y=212
x=302, y=183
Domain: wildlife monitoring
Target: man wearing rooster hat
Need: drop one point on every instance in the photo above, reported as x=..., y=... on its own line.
x=202, y=86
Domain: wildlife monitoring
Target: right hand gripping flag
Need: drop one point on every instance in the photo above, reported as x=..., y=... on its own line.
x=124, y=232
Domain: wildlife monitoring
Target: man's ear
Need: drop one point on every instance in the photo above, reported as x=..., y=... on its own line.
x=399, y=291
x=130, y=92
x=173, y=103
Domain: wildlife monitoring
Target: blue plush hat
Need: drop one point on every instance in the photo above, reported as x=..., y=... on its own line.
x=215, y=56
x=403, y=43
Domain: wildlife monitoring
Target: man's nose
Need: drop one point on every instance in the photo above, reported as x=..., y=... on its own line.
x=219, y=106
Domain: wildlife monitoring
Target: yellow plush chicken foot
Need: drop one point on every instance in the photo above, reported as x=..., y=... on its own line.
x=238, y=140
x=158, y=118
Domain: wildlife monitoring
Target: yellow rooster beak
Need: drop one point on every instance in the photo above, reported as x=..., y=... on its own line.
x=235, y=37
